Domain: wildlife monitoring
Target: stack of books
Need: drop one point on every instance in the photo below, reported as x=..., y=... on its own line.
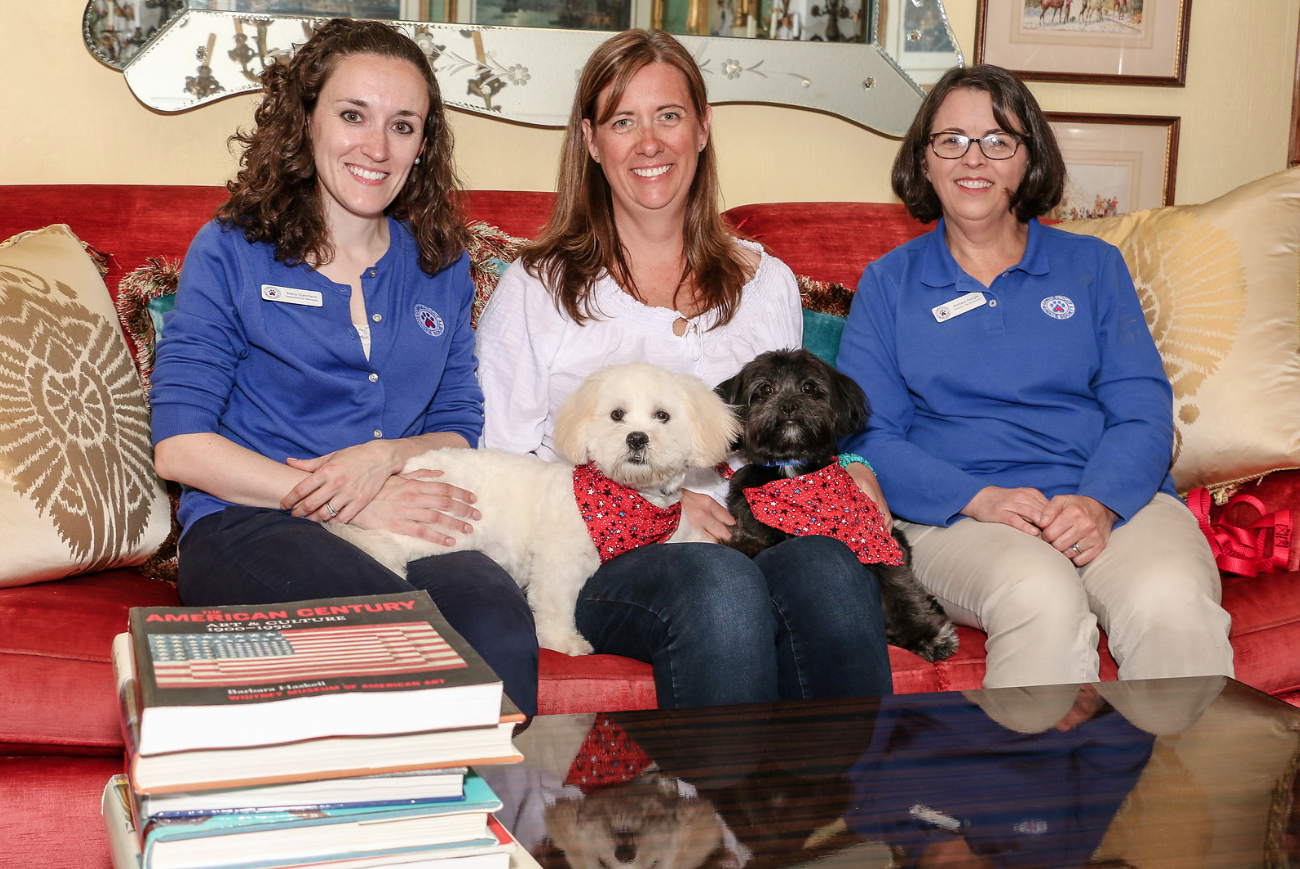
x=327, y=733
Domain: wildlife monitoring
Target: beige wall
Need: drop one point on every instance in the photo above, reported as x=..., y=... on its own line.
x=71, y=119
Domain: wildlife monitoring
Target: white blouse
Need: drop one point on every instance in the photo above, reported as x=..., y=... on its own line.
x=532, y=356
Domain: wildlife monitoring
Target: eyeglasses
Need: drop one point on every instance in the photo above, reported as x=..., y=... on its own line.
x=995, y=146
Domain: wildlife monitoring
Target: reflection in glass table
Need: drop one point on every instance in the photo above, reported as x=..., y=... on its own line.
x=1177, y=772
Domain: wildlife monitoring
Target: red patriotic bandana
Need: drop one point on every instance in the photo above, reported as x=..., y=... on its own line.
x=607, y=757
x=830, y=504
x=618, y=518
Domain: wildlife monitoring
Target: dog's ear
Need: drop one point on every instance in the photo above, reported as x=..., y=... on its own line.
x=732, y=391
x=574, y=418
x=562, y=827
x=850, y=404
x=715, y=428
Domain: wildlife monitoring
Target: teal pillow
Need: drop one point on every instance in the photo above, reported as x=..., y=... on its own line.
x=157, y=308
x=821, y=334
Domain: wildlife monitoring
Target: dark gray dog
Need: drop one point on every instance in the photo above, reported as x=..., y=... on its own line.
x=794, y=407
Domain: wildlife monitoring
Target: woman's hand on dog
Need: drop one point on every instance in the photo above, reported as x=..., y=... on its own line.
x=1022, y=508
x=1077, y=520
x=349, y=479
x=707, y=515
x=346, y=479
x=417, y=505
x=870, y=486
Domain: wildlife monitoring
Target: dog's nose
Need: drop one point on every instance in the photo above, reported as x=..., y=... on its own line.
x=638, y=440
x=625, y=847
x=788, y=408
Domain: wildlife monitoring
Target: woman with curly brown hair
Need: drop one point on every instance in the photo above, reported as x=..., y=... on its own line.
x=637, y=265
x=321, y=338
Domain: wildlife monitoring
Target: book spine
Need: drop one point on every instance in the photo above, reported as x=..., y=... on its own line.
x=300, y=808
x=119, y=824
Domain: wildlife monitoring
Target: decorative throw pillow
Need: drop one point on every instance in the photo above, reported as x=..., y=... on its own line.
x=490, y=252
x=1218, y=283
x=77, y=490
x=143, y=297
x=825, y=307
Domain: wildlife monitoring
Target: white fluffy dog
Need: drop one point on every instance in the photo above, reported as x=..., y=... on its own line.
x=641, y=426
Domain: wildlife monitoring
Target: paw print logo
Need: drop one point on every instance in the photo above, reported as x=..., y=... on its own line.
x=1058, y=307
x=429, y=320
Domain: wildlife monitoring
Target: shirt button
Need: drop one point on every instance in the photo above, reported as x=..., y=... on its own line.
x=374, y=272
x=373, y=377
x=993, y=303
x=376, y=317
x=378, y=433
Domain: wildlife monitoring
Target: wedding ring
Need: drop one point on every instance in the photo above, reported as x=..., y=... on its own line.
x=334, y=514
x=1075, y=548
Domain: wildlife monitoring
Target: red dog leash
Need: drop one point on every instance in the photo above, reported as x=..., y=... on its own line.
x=1244, y=551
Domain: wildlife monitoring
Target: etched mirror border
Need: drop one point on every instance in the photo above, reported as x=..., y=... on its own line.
x=526, y=74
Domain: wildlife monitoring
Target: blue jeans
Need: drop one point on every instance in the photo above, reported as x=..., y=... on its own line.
x=802, y=620
x=252, y=555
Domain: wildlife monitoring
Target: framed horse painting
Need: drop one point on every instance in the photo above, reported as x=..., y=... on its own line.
x=1135, y=42
x=1115, y=163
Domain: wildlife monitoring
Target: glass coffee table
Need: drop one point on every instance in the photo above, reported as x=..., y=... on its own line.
x=1195, y=772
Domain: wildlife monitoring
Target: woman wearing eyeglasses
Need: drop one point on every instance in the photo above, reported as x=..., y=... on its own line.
x=1022, y=422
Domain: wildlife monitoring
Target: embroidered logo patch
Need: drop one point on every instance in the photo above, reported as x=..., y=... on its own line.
x=1059, y=307
x=429, y=320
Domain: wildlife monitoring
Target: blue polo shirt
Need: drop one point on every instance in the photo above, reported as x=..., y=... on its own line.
x=265, y=354
x=1054, y=382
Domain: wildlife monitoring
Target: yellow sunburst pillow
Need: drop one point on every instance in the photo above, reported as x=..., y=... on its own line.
x=77, y=488
x=1220, y=286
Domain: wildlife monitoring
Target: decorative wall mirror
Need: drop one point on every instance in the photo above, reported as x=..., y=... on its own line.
x=864, y=60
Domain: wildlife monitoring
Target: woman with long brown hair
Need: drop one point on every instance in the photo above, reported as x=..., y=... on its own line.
x=637, y=265
x=321, y=338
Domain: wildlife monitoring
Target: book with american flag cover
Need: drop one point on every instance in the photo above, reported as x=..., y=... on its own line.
x=314, y=764
x=239, y=676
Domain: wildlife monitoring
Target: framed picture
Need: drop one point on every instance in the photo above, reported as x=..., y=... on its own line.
x=1115, y=163
x=1293, y=153
x=1136, y=42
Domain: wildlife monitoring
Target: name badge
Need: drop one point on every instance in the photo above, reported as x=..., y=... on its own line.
x=291, y=296
x=957, y=306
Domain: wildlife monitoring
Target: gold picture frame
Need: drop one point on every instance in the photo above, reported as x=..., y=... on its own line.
x=1115, y=163
x=1128, y=42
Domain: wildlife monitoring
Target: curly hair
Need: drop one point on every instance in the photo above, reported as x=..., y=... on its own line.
x=276, y=199
x=580, y=242
x=1016, y=111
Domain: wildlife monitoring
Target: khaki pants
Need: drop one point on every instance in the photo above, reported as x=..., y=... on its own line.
x=1154, y=590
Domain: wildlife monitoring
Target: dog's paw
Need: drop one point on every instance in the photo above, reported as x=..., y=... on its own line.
x=572, y=645
x=942, y=645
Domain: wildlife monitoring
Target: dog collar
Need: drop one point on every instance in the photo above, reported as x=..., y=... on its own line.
x=784, y=463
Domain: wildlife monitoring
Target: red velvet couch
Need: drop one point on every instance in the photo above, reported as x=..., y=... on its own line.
x=59, y=738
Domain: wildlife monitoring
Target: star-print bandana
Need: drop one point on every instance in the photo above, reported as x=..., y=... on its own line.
x=607, y=757
x=618, y=518
x=830, y=504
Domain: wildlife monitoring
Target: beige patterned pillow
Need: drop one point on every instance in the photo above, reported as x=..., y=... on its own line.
x=77, y=488
x=1219, y=285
